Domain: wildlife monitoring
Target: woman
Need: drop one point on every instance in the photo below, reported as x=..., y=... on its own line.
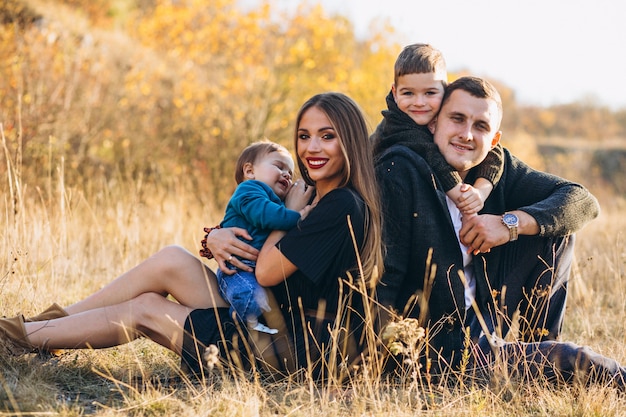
x=302, y=267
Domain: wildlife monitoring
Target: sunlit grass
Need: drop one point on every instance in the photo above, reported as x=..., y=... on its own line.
x=63, y=246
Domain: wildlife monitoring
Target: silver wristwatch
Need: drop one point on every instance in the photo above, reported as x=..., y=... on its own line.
x=511, y=221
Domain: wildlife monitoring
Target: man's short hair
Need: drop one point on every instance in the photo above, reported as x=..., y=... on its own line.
x=477, y=87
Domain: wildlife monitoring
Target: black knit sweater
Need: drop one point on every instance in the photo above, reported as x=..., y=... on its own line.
x=398, y=128
x=421, y=241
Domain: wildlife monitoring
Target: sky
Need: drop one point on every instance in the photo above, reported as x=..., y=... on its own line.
x=548, y=51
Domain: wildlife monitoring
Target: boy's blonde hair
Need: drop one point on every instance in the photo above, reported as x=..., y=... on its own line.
x=419, y=58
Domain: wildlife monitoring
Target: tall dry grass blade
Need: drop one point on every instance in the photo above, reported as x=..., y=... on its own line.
x=11, y=174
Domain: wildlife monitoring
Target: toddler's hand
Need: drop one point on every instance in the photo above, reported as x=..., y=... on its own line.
x=299, y=196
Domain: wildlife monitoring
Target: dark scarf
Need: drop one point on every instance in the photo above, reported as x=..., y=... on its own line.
x=398, y=128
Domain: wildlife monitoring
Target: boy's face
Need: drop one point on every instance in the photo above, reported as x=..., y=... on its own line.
x=419, y=95
x=274, y=169
x=466, y=130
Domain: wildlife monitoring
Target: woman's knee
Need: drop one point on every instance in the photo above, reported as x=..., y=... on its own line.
x=152, y=313
x=173, y=253
x=184, y=276
x=146, y=305
x=174, y=258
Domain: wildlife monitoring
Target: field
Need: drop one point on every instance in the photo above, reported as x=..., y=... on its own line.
x=60, y=244
x=119, y=124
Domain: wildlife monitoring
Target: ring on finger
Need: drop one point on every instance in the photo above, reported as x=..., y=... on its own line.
x=230, y=258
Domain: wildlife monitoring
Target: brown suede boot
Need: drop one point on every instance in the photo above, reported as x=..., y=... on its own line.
x=13, y=337
x=53, y=312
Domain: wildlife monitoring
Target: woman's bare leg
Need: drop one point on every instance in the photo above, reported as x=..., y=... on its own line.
x=150, y=315
x=171, y=271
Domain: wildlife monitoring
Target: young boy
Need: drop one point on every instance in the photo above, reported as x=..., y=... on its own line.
x=264, y=175
x=420, y=78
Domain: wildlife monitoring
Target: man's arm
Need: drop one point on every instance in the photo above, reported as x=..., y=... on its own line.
x=545, y=204
x=485, y=231
x=560, y=207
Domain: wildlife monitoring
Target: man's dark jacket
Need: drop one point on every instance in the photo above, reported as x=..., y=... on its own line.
x=421, y=243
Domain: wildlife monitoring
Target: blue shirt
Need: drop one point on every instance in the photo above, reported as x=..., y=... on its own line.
x=254, y=206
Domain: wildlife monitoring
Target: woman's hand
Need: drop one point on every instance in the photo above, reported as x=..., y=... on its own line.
x=226, y=247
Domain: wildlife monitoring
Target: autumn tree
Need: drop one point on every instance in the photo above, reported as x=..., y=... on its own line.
x=170, y=91
x=243, y=75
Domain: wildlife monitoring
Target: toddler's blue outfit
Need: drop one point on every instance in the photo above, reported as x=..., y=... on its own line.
x=254, y=206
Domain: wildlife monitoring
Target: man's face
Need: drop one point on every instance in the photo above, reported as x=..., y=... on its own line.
x=466, y=130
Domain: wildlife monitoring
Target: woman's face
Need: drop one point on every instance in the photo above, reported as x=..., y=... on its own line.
x=319, y=149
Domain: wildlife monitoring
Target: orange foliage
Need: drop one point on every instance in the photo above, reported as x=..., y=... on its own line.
x=179, y=87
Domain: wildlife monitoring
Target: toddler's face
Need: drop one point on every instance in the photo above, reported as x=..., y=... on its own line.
x=274, y=169
x=419, y=95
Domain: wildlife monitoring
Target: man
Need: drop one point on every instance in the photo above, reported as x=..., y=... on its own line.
x=505, y=268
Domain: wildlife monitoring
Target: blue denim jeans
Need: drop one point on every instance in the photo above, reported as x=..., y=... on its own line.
x=246, y=297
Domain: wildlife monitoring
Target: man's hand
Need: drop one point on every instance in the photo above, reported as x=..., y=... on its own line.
x=482, y=232
x=485, y=231
x=226, y=247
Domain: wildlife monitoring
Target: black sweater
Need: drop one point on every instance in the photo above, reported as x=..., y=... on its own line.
x=421, y=242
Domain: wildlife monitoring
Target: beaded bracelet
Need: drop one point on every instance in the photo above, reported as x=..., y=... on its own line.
x=206, y=252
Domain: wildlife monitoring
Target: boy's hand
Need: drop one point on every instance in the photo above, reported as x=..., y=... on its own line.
x=470, y=201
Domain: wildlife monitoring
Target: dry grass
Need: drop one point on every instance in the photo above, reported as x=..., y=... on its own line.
x=61, y=245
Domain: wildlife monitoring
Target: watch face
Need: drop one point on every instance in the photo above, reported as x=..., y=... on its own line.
x=510, y=219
